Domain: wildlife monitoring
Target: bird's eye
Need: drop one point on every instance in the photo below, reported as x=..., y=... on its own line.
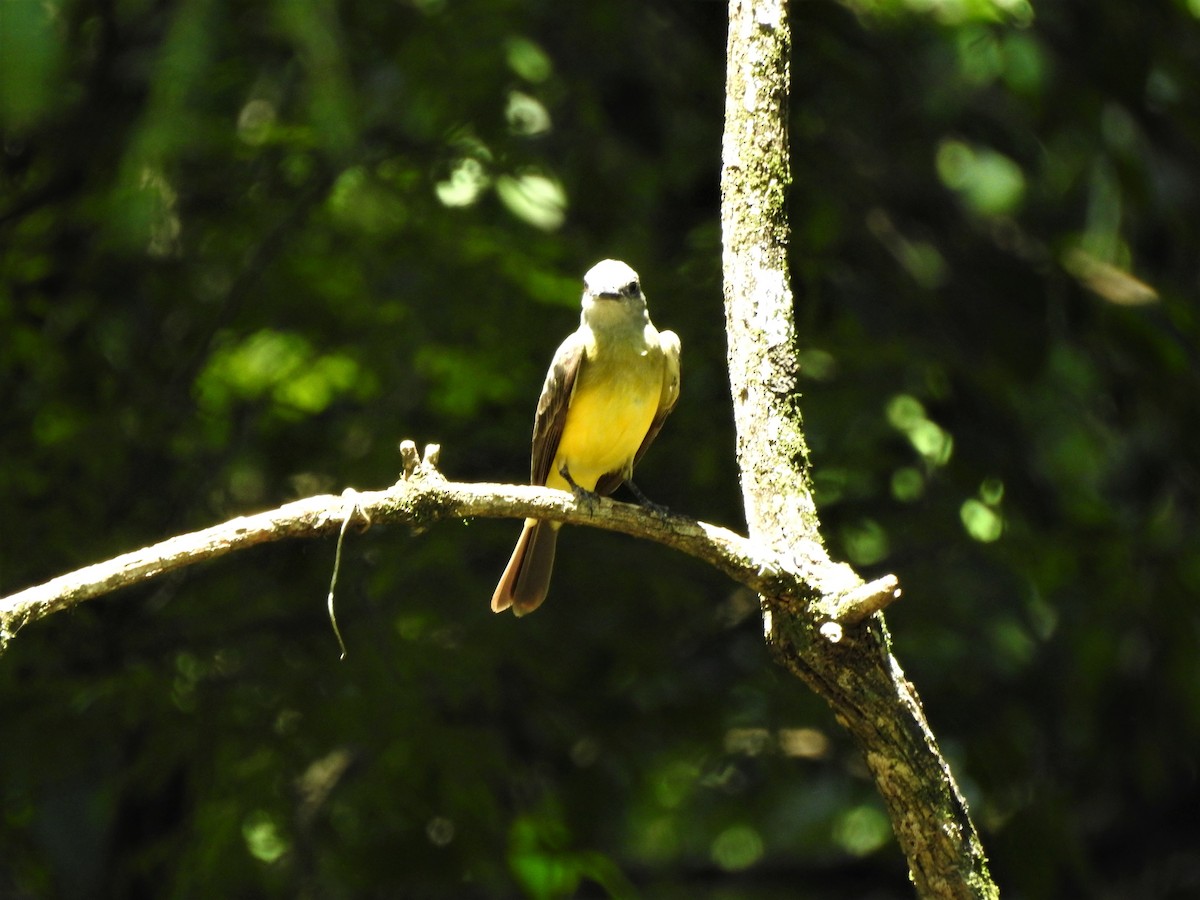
x=630, y=289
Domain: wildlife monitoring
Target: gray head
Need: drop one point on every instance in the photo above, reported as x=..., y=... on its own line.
x=612, y=280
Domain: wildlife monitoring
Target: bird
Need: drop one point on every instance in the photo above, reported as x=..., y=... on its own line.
x=611, y=385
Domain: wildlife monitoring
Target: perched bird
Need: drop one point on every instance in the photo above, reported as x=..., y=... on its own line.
x=611, y=385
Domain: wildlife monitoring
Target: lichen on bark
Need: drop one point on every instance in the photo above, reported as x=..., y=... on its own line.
x=850, y=664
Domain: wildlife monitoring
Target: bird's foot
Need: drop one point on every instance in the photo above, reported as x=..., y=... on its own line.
x=644, y=501
x=583, y=497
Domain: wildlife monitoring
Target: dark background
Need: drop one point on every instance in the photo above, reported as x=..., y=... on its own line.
x=246, y=247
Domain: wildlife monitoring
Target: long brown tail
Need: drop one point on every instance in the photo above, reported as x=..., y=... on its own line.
x=526, y=578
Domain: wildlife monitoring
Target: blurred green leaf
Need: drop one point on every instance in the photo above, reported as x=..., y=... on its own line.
x=30, y=62
x=533, y=198
x=527, y=59
x=863, y=830
x=990, y=183
x=281, y=367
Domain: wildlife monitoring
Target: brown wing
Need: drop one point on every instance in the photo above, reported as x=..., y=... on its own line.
x=670, y=390
x=552, y=406
x=670, y=395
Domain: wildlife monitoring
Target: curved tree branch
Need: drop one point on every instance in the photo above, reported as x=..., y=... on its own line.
x=423, y=497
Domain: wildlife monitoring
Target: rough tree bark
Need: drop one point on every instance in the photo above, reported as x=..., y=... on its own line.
x=852, y=667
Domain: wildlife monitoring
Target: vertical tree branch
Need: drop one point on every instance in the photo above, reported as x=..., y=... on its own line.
x=852, y=667
x=758, y=300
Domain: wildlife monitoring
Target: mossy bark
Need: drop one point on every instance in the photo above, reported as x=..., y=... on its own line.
x=850, y=665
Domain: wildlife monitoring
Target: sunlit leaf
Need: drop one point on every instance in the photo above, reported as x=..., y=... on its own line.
x=736, y=848
x=537, y=199
x=280, y=366
x=527, y=59
x=263, y=837
x=981, y=521
x=990, y=183
x=862, y=830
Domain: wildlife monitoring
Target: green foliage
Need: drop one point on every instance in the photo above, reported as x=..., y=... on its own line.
x=30, y=57
x=247, y=247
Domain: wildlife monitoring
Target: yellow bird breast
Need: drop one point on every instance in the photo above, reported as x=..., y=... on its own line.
x=609, y=416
